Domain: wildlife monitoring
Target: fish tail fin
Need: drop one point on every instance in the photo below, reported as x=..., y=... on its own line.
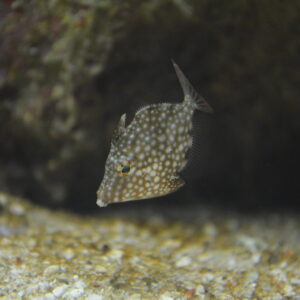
x=190, y=94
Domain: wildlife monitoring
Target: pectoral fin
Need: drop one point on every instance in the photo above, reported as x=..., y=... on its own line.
x=176, y=183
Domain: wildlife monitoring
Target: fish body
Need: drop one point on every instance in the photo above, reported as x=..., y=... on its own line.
x=147, y=156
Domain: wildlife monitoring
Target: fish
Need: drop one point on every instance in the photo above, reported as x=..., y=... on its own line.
x=147, y=156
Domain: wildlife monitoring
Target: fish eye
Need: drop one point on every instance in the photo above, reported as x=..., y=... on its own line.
x=126, y=169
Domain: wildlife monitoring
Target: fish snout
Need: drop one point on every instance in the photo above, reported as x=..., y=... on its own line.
x=101, y=198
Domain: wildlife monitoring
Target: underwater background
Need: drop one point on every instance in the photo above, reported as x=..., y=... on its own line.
x=69, y=69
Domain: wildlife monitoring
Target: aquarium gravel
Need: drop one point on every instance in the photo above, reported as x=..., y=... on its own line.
x=193, y=253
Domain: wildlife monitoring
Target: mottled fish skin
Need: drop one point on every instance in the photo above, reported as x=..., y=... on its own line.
x=147, y=156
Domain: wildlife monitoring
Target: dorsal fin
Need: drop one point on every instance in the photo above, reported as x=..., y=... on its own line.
x=120, y=128
x=190, y=94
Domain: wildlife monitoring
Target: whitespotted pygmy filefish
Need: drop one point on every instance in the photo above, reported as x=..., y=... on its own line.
x=147, y=156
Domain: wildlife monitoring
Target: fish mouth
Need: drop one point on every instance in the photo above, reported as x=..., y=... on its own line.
x=101, y=203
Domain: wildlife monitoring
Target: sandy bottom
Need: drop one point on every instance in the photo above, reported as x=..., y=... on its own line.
x=199, y=253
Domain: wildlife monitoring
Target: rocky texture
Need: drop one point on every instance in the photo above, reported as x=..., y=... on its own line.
x=69, y=69
x=199, y=253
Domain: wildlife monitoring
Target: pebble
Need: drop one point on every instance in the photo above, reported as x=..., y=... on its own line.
x=288, y=290
x=3, y=200
x=116, y=254
x=295, y=281
x=134, y=297
x=248, y=291
x=207, y=277
x=94, y=297
x=183, y=262
x=32, y=243
x=52, y=270
x=172, y=243
x=210, y=230
x=100, y=269
x=58, y=291
x=200, y=290
x=252, y=244
x=256, y=258
x=165, y=297
x=48, y=296
x=17, y=210
x=79, y=284
x=73, y=293
x=68, y=254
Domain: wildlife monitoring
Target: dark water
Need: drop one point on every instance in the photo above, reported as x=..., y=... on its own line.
x=58, y=108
